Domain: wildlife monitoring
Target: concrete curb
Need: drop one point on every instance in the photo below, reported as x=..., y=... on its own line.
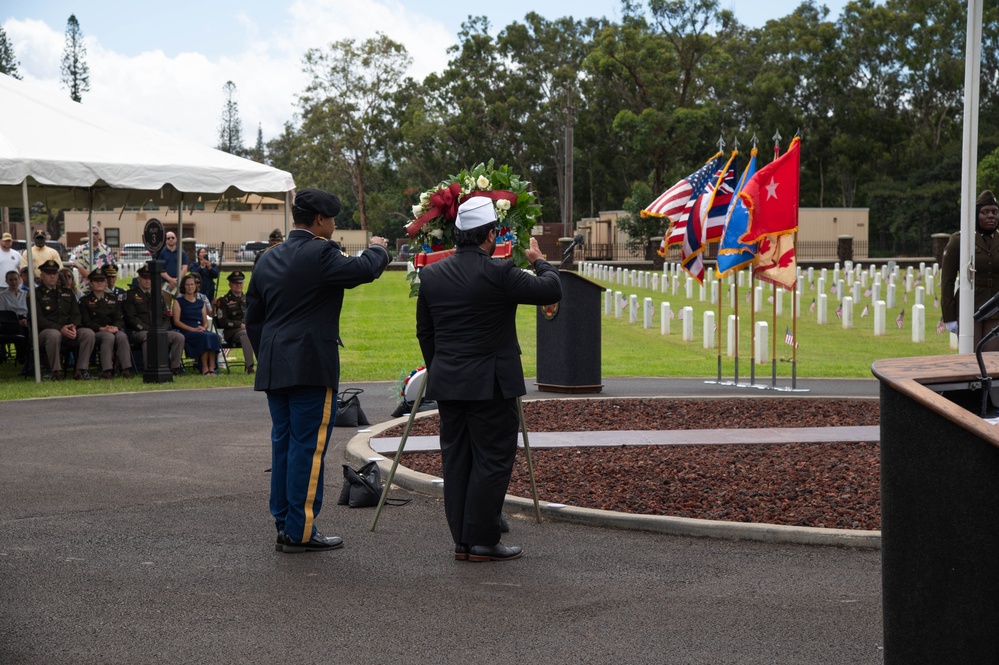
x=359, y=451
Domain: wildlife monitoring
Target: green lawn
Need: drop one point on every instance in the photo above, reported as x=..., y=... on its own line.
x=378, y=329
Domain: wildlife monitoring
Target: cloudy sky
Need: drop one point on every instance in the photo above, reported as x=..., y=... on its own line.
x=164, y=64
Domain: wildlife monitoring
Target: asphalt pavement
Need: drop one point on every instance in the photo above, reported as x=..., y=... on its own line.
x=134, y=529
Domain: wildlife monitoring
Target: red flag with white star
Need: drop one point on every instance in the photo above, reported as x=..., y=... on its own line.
x=772, y=196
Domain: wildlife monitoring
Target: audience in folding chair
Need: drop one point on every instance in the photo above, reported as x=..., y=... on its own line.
x=190, y=316
x=59, y=324
x=230, y=312
x=137, y=309
x=101, y=312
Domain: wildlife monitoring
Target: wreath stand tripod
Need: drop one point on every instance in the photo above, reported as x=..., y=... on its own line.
x=405, y=436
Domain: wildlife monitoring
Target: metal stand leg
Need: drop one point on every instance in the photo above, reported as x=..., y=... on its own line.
x=527, y=456
x=398, y=454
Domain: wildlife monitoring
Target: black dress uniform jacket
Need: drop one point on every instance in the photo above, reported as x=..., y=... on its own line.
x=293, y=308
x=467, y=327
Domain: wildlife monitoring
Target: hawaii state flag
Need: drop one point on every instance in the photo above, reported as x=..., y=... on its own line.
x=676, y=202
x=732, y=254
x=772, y=196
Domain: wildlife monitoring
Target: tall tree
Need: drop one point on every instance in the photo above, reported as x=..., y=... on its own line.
x=75, y=72
x=257, y=154
x=8, y=59
x=347, y=106
x=231, y=127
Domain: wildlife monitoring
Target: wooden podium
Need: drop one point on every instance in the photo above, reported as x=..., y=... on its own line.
x=939, y=512
x=568, y=335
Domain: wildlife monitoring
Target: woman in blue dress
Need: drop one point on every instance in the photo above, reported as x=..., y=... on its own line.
x=190, y=316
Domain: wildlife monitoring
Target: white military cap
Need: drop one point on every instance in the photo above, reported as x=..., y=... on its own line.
x=475, y=212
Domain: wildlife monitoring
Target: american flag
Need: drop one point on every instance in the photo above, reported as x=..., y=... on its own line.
x=833, y=289
x=905, y=297
x=672, y=315
x=677, y=202
x=936, y=302
x=839, y=311
x=900, y=319
x=680, y=315
x=624, y=302
x=864, y=313
x=789, y=338
x=811, y=308
x=867, y=293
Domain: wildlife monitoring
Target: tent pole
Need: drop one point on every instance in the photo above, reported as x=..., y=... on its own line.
x=90, y=233
x=32, y=297
x=180, y=242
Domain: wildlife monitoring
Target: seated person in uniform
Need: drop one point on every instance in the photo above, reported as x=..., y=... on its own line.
x=59, y=321
x=230, y=312
x=190, y=316
x=138, y=312
x=111, y=272
x=101, y=312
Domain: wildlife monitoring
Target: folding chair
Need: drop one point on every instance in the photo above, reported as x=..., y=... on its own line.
x=13, y=338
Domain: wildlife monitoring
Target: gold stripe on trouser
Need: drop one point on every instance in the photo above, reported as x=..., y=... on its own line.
x=317, y=463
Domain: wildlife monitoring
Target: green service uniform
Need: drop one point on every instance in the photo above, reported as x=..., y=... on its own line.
x=986, y=281
x=57, y=307
x=99, y=313
x=230, y=312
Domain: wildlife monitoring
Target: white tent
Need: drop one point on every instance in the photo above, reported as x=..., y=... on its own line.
x=68, y=155
x=68, y=152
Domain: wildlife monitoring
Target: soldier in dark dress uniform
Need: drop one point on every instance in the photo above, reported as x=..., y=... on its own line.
x=59, y=322
x=467, y=329
x=230, y=312
x=139, y=320
x=293, y=320
x=101, y=312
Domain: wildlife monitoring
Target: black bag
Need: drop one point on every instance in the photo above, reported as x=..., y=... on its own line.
x=348, y=409
x=363, y=488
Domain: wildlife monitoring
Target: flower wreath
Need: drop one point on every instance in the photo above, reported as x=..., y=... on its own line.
x=433, y=229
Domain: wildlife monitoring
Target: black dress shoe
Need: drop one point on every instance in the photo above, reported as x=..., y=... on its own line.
x=497, y=552
x=461, y=552
x=318, y=543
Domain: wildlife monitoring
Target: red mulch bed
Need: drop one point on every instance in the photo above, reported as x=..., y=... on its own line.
x=833, y=485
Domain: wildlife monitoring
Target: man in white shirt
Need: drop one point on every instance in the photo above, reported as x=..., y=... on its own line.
x=9, y=259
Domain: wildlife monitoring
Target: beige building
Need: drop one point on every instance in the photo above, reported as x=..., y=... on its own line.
x=207, y=223
x=818, y=232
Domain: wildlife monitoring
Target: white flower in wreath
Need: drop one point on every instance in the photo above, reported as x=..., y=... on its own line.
x=437, y=233
x=482, y=182
x=417, y=210
x=503, y=205
x=424, y=198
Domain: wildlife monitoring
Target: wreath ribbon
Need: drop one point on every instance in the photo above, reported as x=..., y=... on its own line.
x=445, y=201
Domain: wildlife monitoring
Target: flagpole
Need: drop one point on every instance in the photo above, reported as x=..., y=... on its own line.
x=773, y=337
x=752, y=309
x=773, y=342
x=719, y=327
x=794, y=323
x=735, y=288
